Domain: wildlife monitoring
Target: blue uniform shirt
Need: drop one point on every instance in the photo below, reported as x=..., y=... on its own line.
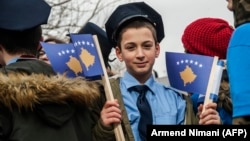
x=168, y=106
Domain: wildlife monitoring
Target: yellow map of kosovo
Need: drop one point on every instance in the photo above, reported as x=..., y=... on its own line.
x=74, y=65
x=87, y=58
x=187, y=75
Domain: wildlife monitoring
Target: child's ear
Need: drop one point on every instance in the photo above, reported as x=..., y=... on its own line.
x=118, y=53
x=157, y=51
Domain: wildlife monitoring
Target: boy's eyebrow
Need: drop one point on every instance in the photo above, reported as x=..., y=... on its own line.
x=144, y=42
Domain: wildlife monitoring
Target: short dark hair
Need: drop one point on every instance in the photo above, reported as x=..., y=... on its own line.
x=23, y=42
x=138, y=23
x=54, y=39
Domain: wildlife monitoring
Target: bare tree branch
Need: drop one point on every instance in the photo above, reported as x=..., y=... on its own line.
x=70, y=15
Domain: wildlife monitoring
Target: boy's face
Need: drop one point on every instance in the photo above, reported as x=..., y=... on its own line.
x=138, y=51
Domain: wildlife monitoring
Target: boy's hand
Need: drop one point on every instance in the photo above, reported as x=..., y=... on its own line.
x=110, y=114
x=210, y=115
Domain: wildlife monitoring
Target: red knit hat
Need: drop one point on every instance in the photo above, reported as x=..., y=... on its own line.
x=207, y=36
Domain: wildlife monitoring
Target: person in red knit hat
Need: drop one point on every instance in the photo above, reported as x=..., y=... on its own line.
x=207, y=36
x=210, y=36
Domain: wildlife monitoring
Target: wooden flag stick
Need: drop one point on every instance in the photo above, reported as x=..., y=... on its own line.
x=210, y=83
x=108, y=91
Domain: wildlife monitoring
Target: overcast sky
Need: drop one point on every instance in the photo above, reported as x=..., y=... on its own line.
x=177, y=14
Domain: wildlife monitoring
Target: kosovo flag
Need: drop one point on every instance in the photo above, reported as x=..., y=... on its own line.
x=87, y=54
x=63, y=58
x=189, y=72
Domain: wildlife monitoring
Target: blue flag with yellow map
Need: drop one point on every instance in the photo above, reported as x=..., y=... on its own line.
x=188, y=72
x=87, y=53
x=79, y=58
x=63, y=59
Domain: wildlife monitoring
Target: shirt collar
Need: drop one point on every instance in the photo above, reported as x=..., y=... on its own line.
x=13, y=60
x=22, y=57
x=130, y=81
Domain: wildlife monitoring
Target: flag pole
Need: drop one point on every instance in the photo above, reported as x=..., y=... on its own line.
x=108, y=91
x=213, y=83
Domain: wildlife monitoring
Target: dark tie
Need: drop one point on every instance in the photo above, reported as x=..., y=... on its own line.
x=145, y=111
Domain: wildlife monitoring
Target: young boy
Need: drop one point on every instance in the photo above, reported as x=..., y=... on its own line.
x=136, y=29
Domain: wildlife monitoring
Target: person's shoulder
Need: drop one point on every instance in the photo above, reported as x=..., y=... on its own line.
x=244, y=25
x=244, y=28
x=163, y=80
x=114, y=83
x=172, y=90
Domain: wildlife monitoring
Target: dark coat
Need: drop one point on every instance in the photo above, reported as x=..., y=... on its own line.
x=44, y=107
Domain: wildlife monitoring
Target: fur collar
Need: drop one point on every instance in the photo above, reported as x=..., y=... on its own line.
x=24, y=91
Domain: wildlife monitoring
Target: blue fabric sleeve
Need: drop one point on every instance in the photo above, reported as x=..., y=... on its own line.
x=238, y=65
